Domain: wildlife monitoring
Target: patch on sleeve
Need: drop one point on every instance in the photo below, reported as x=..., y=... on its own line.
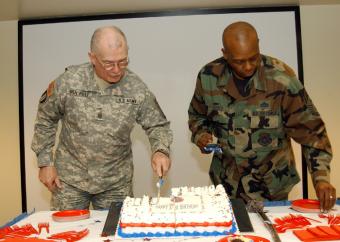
x=43, y=97
x=50, y=89
x=47, y=93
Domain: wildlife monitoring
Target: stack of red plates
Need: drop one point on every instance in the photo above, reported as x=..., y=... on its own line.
x=319, y=233
x=70, y=215
x=306, y=205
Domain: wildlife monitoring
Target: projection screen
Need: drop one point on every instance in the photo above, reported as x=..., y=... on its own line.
x=166, y=49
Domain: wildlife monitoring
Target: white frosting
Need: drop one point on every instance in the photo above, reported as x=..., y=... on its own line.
x=186, y=205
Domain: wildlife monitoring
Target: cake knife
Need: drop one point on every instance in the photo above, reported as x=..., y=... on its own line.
x=159, y=184
x=257, y=207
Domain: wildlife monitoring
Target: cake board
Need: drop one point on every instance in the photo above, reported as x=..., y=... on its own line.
x=110, y=226
x=241, y=215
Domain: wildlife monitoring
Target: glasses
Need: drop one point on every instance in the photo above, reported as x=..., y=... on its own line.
x=109, y=65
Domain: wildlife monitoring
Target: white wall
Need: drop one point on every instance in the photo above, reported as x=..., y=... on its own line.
x=10, y=190
x=321, y=53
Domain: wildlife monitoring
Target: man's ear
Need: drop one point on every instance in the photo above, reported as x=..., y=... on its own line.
x=91, y=57
x=224, y=53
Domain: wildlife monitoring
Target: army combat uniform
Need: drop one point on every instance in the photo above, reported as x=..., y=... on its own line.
x=254, y=131
x=94, y=150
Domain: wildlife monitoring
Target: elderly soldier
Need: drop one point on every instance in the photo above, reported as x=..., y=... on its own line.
x=254, y=104
x=97, y=104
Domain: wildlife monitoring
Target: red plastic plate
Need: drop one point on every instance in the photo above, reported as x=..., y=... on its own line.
x=252, y=237
x=306, y=205
x=70, y=215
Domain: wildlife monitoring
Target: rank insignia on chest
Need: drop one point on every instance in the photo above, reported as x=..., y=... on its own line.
x=265, y=139
x=99, y=115
x=264, y=104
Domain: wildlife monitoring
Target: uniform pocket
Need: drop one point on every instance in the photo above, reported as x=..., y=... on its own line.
x=281, y=179
x=265, y=132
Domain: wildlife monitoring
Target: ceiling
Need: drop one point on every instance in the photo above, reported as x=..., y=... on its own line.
x=33, y=9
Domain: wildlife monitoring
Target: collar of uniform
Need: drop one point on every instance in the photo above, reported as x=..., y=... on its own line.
x=103, y=85
x=222, y=71
x=258, y=80
x=92, y=83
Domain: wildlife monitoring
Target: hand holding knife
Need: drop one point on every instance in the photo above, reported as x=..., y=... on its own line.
x=161, y=163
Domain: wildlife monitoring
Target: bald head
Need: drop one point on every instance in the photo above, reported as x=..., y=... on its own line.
x=107, y=38
x=239, y=34
x=109, y=53
x=241, y=49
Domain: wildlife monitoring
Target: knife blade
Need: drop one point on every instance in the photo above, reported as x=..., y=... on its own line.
x=269, y=226
x=257, y=207
x=159, y=184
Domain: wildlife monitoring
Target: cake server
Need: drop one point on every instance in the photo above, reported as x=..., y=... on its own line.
x=159, y=184
x=216, y=148
x=257, y=207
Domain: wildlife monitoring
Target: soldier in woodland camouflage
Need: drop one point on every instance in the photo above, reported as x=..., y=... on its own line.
x=253, y=104
x=98, y=104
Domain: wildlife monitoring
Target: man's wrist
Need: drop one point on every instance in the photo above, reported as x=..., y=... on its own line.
x=42, y=165
x=165, y=152
x=45, y=158
x=321, y=178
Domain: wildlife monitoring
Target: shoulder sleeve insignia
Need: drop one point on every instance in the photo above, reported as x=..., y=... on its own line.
x=264, y=104
x=50, y=89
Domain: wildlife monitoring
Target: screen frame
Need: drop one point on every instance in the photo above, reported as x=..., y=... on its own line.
x=22, y=23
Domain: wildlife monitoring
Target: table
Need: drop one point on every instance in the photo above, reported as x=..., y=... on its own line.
x=97, y=220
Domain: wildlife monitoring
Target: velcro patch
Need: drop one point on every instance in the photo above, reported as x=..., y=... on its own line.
x=43, y=97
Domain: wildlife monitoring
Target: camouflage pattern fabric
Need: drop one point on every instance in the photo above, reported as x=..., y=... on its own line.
x=254, y=131
x=70, y=197
x=94, y=150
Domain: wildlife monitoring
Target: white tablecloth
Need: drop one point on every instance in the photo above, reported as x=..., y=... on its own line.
x=97, y=220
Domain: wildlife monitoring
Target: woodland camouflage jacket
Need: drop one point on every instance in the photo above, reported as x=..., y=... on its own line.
x=254, y=131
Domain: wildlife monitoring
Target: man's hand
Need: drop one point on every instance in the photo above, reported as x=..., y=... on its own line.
x=49, y=177
x=204, y=140
x=326, y=194
x=160, y=163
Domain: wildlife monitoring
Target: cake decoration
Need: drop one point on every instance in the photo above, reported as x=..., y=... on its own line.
x=189, y=211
